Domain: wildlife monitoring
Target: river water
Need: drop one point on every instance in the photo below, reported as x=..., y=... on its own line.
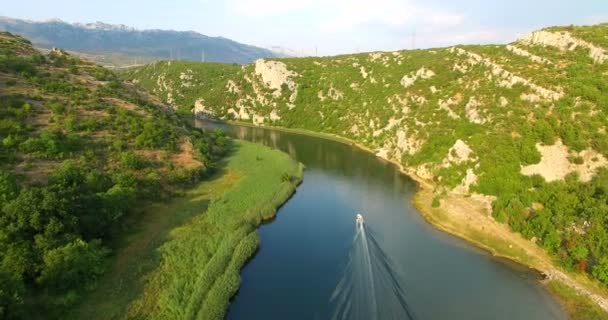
x=304, y=251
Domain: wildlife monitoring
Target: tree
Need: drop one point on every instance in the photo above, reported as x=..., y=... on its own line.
x=600, y=270
x=8, y=187
x=11, y=295
x=73, y=265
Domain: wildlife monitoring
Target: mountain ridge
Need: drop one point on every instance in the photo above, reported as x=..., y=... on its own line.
x=130, y=44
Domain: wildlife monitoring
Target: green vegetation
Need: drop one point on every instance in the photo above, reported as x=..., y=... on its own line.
x=200, y=263
x=190, y=230
x=579, y=307
x=436, y=202
x=500, y=102
x=79, y=152
x=208, y=77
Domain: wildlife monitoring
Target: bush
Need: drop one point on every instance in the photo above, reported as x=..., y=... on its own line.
x=133, y=161
x=436, y=203
x=52, y=144
x=12, y=291
x=73, y=265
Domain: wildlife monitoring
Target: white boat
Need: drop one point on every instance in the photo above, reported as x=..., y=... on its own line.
x=360, y=221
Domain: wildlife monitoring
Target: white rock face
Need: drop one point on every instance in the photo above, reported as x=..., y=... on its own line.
x=233, y=87
x=382, y=153
x=524, y=53
x=321, y=95
x=459, y=153
x=200, y=110
x=257, y=119
x=503, y=102
x=422, y=73
x=424, y=172
x=375, y=56
x=469, y=179
x=243, y=114
x=364, y=73
x=446, y=105
x=564, y=41
x=392, y=122
x=186, y=78
x=462, y=68
x=509, y=79
x=530, y=97
x=233, y=112
x=162, y=83
x=332, y=93
x=473, y=113
x=274, y=116
x=554, y=164
x=406, y=145
x=274, y=74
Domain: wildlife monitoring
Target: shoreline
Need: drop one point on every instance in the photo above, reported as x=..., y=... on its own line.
x=139, y=274
x=461, y=216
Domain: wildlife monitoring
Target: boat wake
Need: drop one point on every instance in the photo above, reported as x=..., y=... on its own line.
x=370, y=288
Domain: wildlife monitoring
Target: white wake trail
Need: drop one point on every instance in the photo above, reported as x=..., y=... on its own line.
x=370, y=289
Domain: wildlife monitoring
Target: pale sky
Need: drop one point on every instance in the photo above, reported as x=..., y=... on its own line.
x=331, y=26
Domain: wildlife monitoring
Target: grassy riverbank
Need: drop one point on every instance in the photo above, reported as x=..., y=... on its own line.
x=183, y=262
x=468, y=219
x=577, y=306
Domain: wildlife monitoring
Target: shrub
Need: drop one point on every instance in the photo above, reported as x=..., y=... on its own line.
x=436, y=203
x=73, y=265
x=133, y=161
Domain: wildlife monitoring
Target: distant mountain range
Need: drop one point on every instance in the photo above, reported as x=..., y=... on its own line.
x=119, y=45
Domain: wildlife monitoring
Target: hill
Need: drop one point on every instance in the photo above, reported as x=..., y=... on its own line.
x=119, y=45
x=518, y=130
x=80, y=152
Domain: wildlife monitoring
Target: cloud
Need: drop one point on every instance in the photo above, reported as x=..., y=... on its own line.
x=336, y=15
x=488, y=36
x=595, y=19
x=264, y=8
x=444, y=19
x=390, y=13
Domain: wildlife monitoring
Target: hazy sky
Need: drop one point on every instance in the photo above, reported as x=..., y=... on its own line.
x=332, y=26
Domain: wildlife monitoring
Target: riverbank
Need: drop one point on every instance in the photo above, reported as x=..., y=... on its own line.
x=469, y=217
x=184, y=260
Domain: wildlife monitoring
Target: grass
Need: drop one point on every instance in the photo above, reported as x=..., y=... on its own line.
x=183, y=262
x=442, y=220
x=578, y=307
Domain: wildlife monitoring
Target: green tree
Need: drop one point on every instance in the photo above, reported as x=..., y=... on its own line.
x=76, y=264
x=12, y=291
x=8, y=187
x=600, y=270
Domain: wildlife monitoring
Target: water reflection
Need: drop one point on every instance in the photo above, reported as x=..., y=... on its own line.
x=304, y=251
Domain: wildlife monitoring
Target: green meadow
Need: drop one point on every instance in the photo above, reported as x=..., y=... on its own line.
x=184, y=258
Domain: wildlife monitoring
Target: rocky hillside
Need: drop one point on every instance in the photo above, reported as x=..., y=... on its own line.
x=520, y=127
x=79, y=153
x=116, y=45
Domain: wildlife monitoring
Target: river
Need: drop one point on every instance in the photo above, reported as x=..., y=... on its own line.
x=304, y=250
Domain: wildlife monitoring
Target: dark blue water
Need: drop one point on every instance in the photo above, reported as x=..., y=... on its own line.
x=305, y=249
